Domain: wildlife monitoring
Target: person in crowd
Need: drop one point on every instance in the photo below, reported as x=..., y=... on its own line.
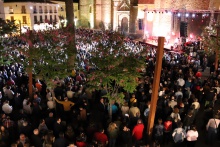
x=23, y=141
x=27, y=106
x=42, y=128
x=173, y=102
x=36, y=139
x=159, y=131
x=192, y=136
x=60, y=141
x=4, y=136
x=137, y=132
x=58, y=127
x=101, y=138
x=81, y=140
x=168, y=130
x=211, y=127
x=67, y=105
x=112, y=133
x=51, y=104
x=49, y=139
x=125, y=136
x=188, y=121
x=179, y=134
x=50, y=120
x=7, y=108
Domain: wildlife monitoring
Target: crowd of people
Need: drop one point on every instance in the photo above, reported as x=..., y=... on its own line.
x=71, y=115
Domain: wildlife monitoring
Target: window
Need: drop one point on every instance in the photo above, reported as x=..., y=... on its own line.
x=35, y=19
x=12, y=18
x=40, y=9
x=51, y=9
x=24, y=19
x=35, y=9
x=55, y=9
x=45, y=9
x=23, y=10
x=51, y=19
x=11, y=11
x=55, y=18
x=41, y=19
x=45, y=17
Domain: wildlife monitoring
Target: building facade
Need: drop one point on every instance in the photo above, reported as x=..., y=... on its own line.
x=2, y=13
x=150, y=17
x=36, y=15
x=62, y=11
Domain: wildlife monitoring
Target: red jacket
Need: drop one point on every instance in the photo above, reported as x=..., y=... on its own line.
x=137, y=132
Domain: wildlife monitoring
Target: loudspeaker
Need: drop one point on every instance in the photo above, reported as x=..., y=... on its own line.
x=183, y=29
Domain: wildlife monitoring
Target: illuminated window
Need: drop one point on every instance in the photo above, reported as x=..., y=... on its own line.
x=24, y=18
x=12, y=18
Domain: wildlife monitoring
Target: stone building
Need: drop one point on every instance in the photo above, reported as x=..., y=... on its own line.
x=149, y=17
x=2, y=10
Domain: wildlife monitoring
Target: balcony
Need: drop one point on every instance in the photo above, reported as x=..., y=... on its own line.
x=23, y=11
x=45, y=11
x=51, y=11
x=11, y=11
x=40, y=11
x=55, y=11
x=35, y=11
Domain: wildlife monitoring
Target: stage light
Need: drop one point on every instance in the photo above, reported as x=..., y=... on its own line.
x=193, y=15
x=187, y=15
x=178, y=14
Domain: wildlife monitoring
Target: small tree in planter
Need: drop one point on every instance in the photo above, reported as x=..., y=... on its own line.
x=117, y=66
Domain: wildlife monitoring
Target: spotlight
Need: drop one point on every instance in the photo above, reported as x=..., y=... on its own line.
x=178, y=14
x=187, y=15
x=193, y=15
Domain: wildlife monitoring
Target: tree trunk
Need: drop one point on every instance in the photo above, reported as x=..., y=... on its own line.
x=30, y=79
x=70, y=22
x=69, y=11
x=110, y=111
